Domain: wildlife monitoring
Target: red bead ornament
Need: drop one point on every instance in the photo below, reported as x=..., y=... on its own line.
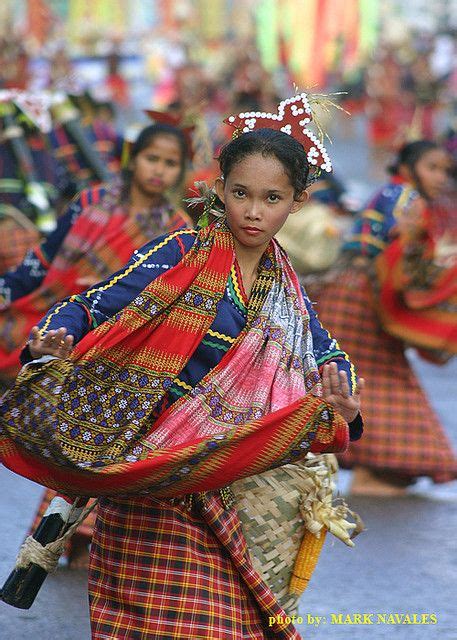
x=292, y=117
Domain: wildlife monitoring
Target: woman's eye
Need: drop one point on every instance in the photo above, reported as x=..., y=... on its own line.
x=239, y=193
x=273, y=198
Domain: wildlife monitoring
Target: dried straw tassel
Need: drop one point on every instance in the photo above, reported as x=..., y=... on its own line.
x=306, y=560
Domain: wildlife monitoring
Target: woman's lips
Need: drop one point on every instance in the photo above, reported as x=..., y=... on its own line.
x=156, y=182
x=252, y=230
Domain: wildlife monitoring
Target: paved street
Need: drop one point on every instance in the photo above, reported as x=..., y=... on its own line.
x=405, y=562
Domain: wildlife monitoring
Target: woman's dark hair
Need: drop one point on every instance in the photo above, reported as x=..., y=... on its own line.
x=410, y=154
x=269, y=142
x=143, y=141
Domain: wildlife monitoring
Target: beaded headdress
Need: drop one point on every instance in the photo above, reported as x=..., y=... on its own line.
x=292, y=117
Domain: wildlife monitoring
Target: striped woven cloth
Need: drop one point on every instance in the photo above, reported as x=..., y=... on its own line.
x=253, y=412
x=160, y=571
x=100, y=242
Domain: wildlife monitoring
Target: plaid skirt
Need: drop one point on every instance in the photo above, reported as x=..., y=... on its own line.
x=402, y=432
x=164, y=569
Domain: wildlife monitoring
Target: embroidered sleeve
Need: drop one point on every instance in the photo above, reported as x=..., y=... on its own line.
x=373, y=227
x=85, y=311
x=326, y=348
x=29, y=275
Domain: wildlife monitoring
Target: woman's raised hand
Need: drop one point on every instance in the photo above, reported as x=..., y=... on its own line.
x=337, y=393
x=54, y=343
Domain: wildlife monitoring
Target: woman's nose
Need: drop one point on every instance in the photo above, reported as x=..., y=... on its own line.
x=254, y=211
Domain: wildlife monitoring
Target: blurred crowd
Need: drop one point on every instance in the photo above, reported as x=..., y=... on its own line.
x=70, y=117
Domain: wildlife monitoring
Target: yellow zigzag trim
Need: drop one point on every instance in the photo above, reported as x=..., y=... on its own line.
x=346, y=357
x=118, y=277
x=216, y=334
x=351, y=366
x=235, y=282
x=182, y=384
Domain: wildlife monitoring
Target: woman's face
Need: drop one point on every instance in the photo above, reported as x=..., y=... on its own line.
x=432, y=171
x=158, y=166
x=258, y=198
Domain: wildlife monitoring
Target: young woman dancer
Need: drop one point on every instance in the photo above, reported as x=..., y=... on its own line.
x=94, y=238
x=405, y=439
x=197, y=364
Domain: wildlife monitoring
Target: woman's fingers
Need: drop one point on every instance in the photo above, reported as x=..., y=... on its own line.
x=326, y=385
x=344, y=384
x=65, y=347
x=360, y=386
x=334, y=381
x=55, y=343
x=54, y=338
x=330, y=383
x=337, y=391
x=35, y=342
x=35, y=332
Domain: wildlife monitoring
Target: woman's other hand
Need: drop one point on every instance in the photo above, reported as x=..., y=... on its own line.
x=337, y=393
x=54, y=343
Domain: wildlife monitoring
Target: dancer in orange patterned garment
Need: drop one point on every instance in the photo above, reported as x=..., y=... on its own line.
x=94, y=238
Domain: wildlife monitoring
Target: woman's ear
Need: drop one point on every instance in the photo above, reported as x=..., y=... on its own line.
x=219, y=188
x=299, y=201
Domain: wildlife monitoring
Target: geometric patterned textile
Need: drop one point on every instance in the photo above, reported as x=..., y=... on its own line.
x=84, y=425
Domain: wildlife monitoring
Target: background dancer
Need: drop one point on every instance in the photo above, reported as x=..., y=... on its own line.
x=100, y=229
x=405, y=439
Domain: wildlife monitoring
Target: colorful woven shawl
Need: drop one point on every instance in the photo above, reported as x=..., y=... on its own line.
x=100, y=242
x=88, y=425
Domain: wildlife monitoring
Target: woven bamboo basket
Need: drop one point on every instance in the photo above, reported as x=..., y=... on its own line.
x=277, y=507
